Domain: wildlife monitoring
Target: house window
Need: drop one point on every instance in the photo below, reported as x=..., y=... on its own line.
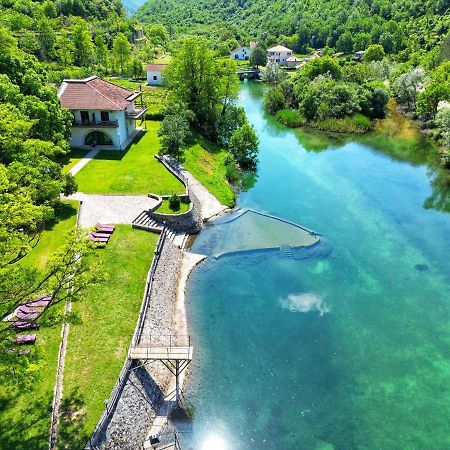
x=105, y=116
x=84, y=116
x=155, y=78
x=236, y=56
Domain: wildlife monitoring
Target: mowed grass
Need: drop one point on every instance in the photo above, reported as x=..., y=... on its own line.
x=25, y=412
x=166, y=209
x=53, y=237
x=97, y=346
x=135, y=171
x=73, y=157
x=207, y=163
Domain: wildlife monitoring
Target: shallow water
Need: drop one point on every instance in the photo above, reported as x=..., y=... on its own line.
x=349, y=350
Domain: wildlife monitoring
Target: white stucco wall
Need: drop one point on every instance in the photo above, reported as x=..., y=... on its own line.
x=279, y=57
x=150, y=77
x=118, y=134
x=241, y=54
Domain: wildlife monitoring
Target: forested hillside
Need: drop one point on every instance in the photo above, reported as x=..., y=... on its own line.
x=400, y=26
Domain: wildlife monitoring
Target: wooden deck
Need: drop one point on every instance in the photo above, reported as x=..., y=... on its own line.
x=162, y=353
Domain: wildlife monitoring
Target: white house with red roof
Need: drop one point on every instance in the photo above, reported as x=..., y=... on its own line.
x=279, y=54
x=155, y=74
x=243, y=53
x=104, y=114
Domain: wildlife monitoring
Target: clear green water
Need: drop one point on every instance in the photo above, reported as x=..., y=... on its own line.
x=347, y=351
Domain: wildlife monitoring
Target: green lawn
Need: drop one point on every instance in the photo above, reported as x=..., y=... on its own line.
x=53, y=237
x=97, y=346
x=135, y=171
x=71, y=158
x=25, y=413
x=166, y=209
x=154, y=96
x=207, y=163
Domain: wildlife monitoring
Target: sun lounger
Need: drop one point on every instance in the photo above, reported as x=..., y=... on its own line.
x=25, y=351
x=25, y=339
x=98, y=239
x=27, y=309
x=24, y=316
x=107, y=228
x=101, y=235
x=19, y=325
x=42, y=302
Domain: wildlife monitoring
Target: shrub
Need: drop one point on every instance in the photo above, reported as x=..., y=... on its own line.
x=353, y=124
x=274, y=99
x=290, y=117
x=174, y=202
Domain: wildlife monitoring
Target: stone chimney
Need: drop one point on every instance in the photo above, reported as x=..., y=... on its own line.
x=252, y=44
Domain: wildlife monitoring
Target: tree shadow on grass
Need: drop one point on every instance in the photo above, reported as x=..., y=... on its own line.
x=72, y=433
x=30, y=429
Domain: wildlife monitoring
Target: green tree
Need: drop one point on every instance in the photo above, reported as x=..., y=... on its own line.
x=429, y=99
x=374, y=52
x=47, y=39
x=361, y=42
x=274, y=99
x=101, y=50
x=49, y=9
x=157, y=34
x=66, y=49
x=443, y=121
x=345, y=43
x=258, y=57
x=82, y=41
x=136, y=68
x=244, y=147
x=406, y=87
x=272, y=74
x=121, y=51
x=321, y=66
x=174, y=129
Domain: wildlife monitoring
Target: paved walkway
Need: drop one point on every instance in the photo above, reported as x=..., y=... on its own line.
x=111, y=208
x=79, y=165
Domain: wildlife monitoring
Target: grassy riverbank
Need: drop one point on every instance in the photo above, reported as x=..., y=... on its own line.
x=98, y=342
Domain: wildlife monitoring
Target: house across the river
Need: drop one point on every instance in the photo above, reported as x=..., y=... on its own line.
x=279, y=54
x=155, y=74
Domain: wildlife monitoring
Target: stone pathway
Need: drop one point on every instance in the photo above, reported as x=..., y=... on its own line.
x=110, y=208
x=210, y=206
x=79, y=165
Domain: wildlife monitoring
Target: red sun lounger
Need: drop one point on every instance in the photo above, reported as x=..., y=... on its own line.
x=25, y=325
x=25, y=339
x=27, y=309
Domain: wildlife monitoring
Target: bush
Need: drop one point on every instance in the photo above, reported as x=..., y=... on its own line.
x=353, y=124
x=290, y=117
x=274, y=100
x=231, y=168
x=174, y=202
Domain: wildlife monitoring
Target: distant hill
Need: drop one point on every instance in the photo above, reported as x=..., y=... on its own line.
x=396, y=24
x=131, y=6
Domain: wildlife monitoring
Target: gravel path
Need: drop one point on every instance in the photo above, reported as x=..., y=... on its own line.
x=79, y=165
x=111, y=208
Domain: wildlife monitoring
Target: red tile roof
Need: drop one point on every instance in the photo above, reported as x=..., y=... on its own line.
x=94, y=93
x=156, y=67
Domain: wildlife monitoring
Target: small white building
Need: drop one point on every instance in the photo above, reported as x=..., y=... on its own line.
x=279, y=54
x=293, y=61
x=155, y=74
x=104, y=115
x=243, y=53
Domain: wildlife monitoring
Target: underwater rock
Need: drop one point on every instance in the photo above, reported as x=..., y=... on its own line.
x=422, y=267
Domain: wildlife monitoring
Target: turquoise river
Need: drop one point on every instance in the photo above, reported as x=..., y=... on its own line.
x=349, y=349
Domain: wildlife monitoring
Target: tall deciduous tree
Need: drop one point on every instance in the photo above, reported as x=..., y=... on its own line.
x=82, y=42
x=121, y=51
x=258, y=57
x=47, y=39
x=244, y=147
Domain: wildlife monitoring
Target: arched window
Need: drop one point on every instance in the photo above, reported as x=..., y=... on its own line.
x=97, y=138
